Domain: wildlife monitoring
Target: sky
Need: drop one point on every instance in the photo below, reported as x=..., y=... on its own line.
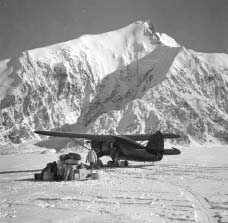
x=201, y=25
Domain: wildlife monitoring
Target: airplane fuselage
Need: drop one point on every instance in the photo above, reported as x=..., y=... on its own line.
x=125, y=152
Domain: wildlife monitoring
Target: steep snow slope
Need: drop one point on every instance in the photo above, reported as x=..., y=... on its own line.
x=181, y=91
x=131, y=80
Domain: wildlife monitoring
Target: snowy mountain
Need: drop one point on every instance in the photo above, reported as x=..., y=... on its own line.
x=132, y=80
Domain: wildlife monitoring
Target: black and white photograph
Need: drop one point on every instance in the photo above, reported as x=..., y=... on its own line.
x=113, y=111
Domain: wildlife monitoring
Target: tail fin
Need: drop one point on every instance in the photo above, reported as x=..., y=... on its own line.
x=156, y=144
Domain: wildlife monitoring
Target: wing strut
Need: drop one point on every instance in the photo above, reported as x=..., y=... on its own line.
x=80, y=144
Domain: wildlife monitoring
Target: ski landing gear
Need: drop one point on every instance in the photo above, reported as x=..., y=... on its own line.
x=119, y=163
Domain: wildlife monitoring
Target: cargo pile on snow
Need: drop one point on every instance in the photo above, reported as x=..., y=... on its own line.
x=68, y=167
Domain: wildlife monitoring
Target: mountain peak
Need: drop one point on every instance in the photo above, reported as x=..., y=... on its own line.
x=130, y=80
x=148, y=24
x=162, y=37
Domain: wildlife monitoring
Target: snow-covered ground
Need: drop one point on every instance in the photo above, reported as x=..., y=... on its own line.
x=192, y=187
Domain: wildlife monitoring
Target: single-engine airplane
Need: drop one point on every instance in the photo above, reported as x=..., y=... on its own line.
x=125, y=147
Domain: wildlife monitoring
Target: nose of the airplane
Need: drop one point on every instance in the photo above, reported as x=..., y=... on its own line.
x=173, y=151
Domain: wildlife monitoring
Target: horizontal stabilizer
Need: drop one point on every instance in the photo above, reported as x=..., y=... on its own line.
x=173, y=151
x=170, y=136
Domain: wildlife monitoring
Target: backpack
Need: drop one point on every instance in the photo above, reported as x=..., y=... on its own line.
x=49, y=173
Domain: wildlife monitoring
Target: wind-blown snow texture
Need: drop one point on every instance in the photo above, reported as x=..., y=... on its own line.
x=131, y=80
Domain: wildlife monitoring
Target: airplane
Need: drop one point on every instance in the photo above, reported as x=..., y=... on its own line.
x=124, y=147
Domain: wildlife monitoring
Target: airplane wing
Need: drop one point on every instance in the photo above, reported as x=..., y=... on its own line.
x=109, y=138
x=144, y=137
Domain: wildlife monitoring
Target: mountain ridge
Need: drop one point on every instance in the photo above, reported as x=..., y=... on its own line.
x=132, y=80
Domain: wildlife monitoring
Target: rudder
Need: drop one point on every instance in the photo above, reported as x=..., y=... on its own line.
x=155, y=144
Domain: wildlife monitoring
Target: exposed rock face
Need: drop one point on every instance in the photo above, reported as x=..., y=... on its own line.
x=127, y=81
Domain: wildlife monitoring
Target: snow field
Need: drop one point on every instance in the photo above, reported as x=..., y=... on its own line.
x=189, y=188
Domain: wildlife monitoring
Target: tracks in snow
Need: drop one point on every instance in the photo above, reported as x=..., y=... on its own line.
x=201, y=206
